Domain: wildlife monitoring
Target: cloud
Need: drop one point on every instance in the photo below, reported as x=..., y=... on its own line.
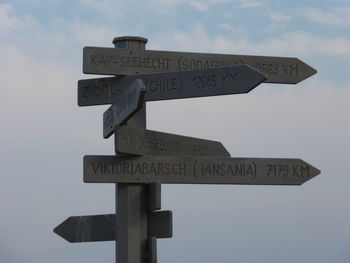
x=279, y=17
x=204, y=5
x=109, y=7
x=334, y=17
x=9, y=21
x=290, y=43
x=88, y=34
x=38, y=93
x=242, y=3
x=249, y=3
x=170, y=2
x=305, y=43
x=194, y=39
x=165, y=2
x=199, y=6
x=226, y=26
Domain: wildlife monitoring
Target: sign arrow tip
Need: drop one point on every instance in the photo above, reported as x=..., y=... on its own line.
x=313, y=172
x=306, y=71
x=62, y=230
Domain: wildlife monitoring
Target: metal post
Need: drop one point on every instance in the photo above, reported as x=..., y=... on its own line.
x=131, y=199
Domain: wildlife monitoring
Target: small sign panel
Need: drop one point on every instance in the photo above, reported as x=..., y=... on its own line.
x=103, y=227
x=197, y=170
x=138, y=141
x=88, y=228
x=123, y=108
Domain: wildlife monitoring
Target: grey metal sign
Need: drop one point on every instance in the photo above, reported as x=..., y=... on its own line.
x=138, y=141
x=118, y=61
x=103, y=227
x=197, y=170
x=123, y=108
x=174, y=85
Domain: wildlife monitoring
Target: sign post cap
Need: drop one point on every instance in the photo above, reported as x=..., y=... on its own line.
x=133, y=42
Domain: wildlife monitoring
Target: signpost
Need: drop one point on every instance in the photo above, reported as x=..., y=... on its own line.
x=76, y=229
x=174, y=85
x=132, y=208
x=197, y=170
x=110, y=61
x=123, y=108
x=146, y=142
x=144, y=158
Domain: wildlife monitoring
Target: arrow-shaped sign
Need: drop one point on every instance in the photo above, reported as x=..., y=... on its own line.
x=196, y=170
x=147, y=142
x=87, y=228
x=123, y=108
x=121, y=61
x=174, y=85
x=103, y=227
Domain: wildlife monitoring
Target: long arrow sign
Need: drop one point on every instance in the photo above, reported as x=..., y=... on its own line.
x=103, y=227
x=175, y=85
x=120, y=61
x=147, y=142
x=123, y=108
x=197, y=170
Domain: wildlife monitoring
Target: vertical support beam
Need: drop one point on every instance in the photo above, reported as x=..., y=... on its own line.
x=131, y=199
x=154, y=197
x=152, y=249
x=131, y=220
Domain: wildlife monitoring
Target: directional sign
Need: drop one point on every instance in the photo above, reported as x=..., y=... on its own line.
x=87, y=228
x=146, y=142
x=174, y=85
x=196, y=170
x=123, y=108
x=120, y=61
x=103, y=227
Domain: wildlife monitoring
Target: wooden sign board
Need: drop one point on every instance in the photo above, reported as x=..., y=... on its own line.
x=138, y=141
x=76, y=229
x=174, y=85
x=197, y=170
x=121, y=61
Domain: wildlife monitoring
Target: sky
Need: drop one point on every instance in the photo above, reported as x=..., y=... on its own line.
x=44, y=134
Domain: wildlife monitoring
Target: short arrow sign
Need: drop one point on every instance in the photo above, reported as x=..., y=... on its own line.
x=103, y=227
x=123, y=108
x=87, y=228
x=147, y=142
x=197, y=170
x=121, y=61
x=174, y=85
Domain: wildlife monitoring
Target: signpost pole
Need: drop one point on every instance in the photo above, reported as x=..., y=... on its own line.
x=131, y=199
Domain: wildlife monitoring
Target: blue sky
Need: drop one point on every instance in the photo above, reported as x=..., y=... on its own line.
x=45, y=134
